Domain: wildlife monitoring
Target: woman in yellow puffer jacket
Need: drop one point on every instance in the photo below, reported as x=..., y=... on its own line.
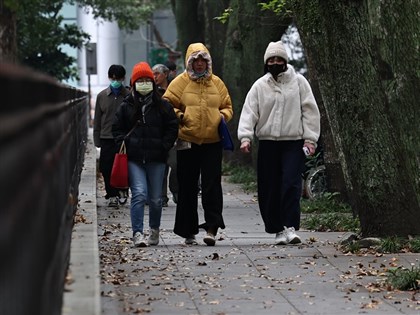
x=200, y=100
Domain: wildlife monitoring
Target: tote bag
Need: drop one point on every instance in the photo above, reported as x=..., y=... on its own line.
x=225, y=137
x=119, y=173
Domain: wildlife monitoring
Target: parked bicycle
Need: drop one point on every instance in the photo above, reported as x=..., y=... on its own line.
x=314, y=179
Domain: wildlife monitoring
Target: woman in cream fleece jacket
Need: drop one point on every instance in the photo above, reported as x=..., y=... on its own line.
x=281, y=111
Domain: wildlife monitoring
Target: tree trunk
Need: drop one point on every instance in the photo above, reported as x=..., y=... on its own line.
x=248, y=34
x=365, y=56
x=8, y=48
x=334, y=173
x=189, y=23
x=215, y=34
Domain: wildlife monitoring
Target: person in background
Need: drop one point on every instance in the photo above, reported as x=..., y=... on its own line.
x=200, y=99
x=107, y=103
x=282, y=112
x=172, y=70
x=149, y=127
x=161, y=73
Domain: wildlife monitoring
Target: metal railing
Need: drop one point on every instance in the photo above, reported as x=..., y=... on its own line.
x=43, y=132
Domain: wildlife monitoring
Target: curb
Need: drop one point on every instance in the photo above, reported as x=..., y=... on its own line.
x=82, y=295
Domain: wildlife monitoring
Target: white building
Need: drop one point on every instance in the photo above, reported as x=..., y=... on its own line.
x=114, y=46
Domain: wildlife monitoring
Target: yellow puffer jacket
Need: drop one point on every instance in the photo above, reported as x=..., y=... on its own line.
x=199, y=102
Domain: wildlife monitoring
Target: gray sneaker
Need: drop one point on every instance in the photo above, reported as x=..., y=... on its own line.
x=153, y=237
x=191, y=240
x=113, y=202
x=139, y=240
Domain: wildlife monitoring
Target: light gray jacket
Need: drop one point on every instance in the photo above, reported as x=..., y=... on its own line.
x=280, y=110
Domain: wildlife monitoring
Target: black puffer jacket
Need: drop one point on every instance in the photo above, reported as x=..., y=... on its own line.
x=155, y=132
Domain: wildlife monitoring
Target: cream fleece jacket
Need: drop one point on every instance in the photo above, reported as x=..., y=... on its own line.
x=280, y=110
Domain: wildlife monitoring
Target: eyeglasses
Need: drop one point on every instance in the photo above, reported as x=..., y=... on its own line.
x=144, y=80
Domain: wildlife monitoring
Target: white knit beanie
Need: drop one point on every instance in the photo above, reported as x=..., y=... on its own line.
x=275, y=49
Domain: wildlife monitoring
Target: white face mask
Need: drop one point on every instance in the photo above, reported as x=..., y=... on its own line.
x=144, y=88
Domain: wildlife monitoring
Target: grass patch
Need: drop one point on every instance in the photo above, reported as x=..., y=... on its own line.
x=331, y=221
x=326, y=213
x=414, y=245
x=391, y=244
x=395, y=244
x=404, y=279
x=243, y=175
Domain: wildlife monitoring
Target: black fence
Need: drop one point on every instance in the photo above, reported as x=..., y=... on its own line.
x=43, y=133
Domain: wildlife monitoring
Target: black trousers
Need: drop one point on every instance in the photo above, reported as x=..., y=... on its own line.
x=205, y=159
x=106, y=160
x=279, y=172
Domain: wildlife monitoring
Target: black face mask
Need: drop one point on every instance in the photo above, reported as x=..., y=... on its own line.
x=276, y=69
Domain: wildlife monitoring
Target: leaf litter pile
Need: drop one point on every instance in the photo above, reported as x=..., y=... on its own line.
x=225, y=279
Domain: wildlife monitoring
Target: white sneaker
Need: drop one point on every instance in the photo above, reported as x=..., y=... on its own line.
x=292, y=237
x=281, y=238
x=138, y=240
x=153, y=237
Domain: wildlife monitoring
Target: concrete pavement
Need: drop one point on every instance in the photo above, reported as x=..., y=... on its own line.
x=245, y=273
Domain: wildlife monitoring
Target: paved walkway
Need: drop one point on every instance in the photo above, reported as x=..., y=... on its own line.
x=245, y=273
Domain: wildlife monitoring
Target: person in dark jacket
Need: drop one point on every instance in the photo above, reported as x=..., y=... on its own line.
x=107, y=103
x=149, y=126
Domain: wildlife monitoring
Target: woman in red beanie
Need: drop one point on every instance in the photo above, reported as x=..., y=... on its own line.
x=149, y=126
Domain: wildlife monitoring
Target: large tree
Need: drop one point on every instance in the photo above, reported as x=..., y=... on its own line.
x=365, y=56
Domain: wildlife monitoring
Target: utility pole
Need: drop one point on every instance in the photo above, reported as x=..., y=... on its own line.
x=91, y=68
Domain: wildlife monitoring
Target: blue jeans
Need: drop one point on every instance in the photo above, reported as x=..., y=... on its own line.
x=145, y=180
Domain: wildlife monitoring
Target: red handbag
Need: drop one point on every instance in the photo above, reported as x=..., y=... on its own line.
x=119, y=173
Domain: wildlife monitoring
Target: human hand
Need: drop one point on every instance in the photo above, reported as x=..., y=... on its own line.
x=310, y=147
x=246, y=147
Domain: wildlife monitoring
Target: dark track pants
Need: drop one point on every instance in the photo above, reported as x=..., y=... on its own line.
x=279, y=168
x=205, y=159
x=106, y=160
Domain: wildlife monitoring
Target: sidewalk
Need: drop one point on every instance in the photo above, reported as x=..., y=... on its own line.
x=245, y=273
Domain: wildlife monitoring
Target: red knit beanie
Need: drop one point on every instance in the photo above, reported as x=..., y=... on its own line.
x=141, y=70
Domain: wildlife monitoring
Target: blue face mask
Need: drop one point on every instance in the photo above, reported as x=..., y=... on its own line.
x=115, y=84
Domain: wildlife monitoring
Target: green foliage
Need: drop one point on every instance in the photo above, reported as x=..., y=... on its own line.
x=353, y=247
x=225, y=16
x=41, y=34
x=327, y=214
x=325, y=203
x=405, y=279
x=128, y=14
x=392, y=244
x=243, y=175
x=331, y=221
x=395, y=244
x=279, y=7
x=414, y=245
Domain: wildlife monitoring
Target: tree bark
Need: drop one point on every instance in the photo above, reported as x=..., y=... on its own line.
x=189, y=18
x=215, y=33
x=365, y=56
x=8, y=47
